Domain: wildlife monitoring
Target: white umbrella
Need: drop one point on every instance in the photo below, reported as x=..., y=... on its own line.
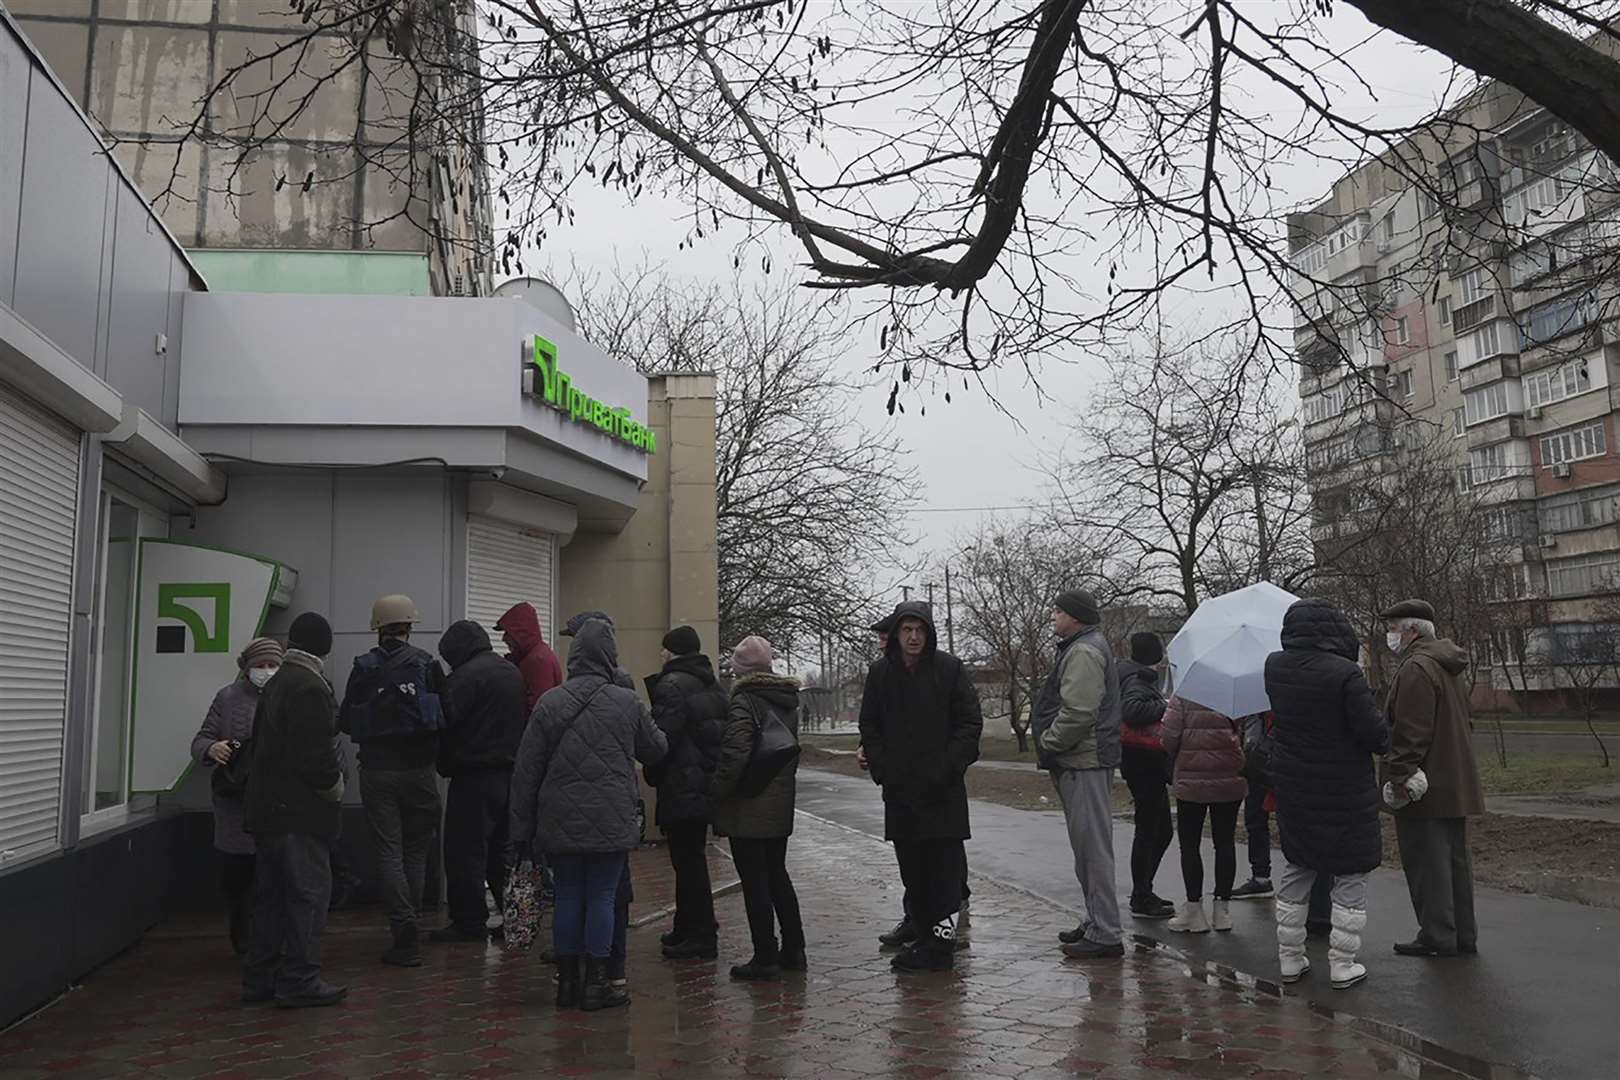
x=1218, y=659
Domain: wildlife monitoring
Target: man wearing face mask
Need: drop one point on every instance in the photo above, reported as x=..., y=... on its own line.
x=1432, y=783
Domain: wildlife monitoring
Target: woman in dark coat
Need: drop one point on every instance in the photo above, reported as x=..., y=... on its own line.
x=227, y=726
x=759, y=825
x=1326, y=733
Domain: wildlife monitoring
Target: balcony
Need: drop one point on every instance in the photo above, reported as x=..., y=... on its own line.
x=1494, y=431
x=1347, y=249
x=1496, y=337
x=1489, y=371
x=1465, y=318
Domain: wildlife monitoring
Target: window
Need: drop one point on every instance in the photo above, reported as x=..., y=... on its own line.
x=1552, y=320
x=1472, y=286
x=1493, y=339
x=1583, y=575
x=1583, y=643
x=1487, y=403
x=1510, y=582
x=1452, y=373
x=1403, y=330
x=1579, y=510
x=1564, y=381
x=1445, y=311
x=1575, y=444
x=1388, y=226
x=1402, y=386
x=1488, y=464
x=1458, y=423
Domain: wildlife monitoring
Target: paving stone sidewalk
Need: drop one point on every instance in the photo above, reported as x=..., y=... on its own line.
x=1013, y=1008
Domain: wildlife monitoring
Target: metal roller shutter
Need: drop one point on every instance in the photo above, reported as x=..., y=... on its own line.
x=507, y=564
x=39, y=492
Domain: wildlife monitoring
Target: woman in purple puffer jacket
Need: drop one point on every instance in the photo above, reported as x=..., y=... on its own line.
x=1206, y=751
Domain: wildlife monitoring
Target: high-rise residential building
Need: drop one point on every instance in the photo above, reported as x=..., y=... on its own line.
x=1465, y=309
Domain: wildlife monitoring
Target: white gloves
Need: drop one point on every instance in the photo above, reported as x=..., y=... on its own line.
x=1416, y=786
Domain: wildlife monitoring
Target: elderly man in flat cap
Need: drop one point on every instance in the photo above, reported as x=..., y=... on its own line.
x=1432, y=783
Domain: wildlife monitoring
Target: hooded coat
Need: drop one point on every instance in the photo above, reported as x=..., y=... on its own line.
x=768, y=815
x=920, y=727
x=689, y=707
x=1430, y=729
x=541, y=669
x=487, y=698
x=230, y=717
x=1327, y=728
x=1207, y=751
x=574, y=786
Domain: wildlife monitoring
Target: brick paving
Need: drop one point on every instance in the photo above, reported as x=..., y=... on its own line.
x=1013, y=1008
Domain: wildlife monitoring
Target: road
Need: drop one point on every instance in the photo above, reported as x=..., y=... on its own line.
x=1543, y=995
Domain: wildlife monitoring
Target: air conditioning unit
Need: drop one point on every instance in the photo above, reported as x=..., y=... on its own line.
x=1385, y=247
x=1533, y=412
x=1561, y=470
x=1549, y=541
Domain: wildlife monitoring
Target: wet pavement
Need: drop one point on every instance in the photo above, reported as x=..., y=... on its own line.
x=1013, y=1007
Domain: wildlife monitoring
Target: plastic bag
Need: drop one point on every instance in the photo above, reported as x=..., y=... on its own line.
x=525, y=905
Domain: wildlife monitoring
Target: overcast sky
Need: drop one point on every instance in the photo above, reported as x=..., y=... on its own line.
x=969, y=455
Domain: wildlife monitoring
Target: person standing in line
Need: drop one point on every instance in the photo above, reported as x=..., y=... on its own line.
x=1258, y=806
x=292, y=810
x=526, y=647
x=1432, y=781
x=759, y=825
x=1207, y=754
x=1076, y=727
x=227, y=726
x=689, y=707
x=476, y=752
x=574, y=796
x=1326, y=733
x=920, y=726
x=394, y=709
x=1146, y=769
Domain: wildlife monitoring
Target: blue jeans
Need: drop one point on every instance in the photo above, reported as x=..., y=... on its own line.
x=586, y=888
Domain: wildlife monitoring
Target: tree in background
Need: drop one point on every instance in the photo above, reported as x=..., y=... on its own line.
x=1583, y=660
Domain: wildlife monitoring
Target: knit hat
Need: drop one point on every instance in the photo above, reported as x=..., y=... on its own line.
x=683, y=641
x=752, y=655
x=1081, y=605
x=1146, y=648
x=258, y=650
x=310, y=633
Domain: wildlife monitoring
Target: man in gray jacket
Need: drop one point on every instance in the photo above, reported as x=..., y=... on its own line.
x=1076, y=727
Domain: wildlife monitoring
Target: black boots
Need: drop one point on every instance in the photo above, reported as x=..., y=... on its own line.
x=569, y=983
x=693, y=949
x=759, y=969
x=598, y=993
x=407, y=951
x=904, y=933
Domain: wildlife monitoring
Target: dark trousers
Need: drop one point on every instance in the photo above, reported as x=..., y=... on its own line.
x=933, y=872
x=292, y=883
x=1154, y=830
x=1440, y=876
x=402, y=808
x=768, y=896
x=688, y=843
x=236, y=882
x=475, y=810
x=1190, y=830
x=587, y=888
x=1257, y=821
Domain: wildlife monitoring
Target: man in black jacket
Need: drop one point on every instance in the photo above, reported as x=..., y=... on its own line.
x=488, y=707
x=293, y=810
x=689, y=707
x=920, y=728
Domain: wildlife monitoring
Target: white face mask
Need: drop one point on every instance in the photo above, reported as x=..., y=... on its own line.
x=260, y=675
x=1393, y=640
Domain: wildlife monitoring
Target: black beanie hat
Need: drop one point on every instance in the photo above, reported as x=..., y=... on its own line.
x=1146, y=648
x=310, y=633
x=1081, y=605
x=683, y=641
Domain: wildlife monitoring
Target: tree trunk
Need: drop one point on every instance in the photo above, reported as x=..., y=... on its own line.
x=1587, y=711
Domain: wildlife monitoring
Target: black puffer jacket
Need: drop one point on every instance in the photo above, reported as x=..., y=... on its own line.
x=574, y=784
x=689, y=707
x=769, y=814
x=488, y=708
x=920, y=728
x=1326, y=731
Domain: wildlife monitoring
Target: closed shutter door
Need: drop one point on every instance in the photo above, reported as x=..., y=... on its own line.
x=507, y=564
x=39, y=491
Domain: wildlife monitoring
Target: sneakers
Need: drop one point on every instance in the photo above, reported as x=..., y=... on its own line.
x=406, y=951
x=456, y=934
x=1256, y=888
x=1086, y=949
x=1190, y=919
x=902, y=934
x=322, y=995
x=934, y=952
x=1150, y=907
x=1220, y=915
x=693, y=949
x=1343, y=945
x=1291, y=941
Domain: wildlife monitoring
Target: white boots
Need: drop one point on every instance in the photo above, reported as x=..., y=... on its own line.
x=1190, y=919
x=1291, y=940
x=1220, y=915
x=1343, y=945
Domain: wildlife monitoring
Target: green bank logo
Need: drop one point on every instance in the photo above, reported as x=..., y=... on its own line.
x=203, y=609
x=554, y=386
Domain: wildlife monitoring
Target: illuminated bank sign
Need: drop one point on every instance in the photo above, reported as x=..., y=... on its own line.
x=556, y=388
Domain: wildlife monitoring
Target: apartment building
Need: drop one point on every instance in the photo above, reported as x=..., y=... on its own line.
x=1473, y=303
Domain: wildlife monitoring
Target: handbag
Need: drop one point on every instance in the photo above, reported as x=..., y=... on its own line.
x=523, y=907
x=230, y=780
x=1257, y=759
x=775, y=748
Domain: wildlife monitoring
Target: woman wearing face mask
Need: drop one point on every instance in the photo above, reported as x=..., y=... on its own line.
x=229, y=724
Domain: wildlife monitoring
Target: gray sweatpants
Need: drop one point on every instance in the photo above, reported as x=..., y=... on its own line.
x=1089, y=814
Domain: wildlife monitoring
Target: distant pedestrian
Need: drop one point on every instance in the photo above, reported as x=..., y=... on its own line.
x=476, y=751
x=920, y=728
x=574, y=794
x=394, y=709
x=689, y=707
x=759, y=825
x=1433, y=783
x=1146, y=769
x=527, y=648
x=293, y=811
x=1327, y=794
x=1077, y=739
x=1207, y=755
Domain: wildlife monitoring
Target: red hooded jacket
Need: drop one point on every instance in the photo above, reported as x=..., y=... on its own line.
x=534, y=658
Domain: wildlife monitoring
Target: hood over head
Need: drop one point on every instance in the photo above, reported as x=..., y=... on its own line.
x=595, y=651
x=582, y=618
x=523, y=624
x=1315, y=624
x=914, y=609
x=1451, y=657
x=464, y=640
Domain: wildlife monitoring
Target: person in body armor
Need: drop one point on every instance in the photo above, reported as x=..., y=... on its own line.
x=394, y=709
